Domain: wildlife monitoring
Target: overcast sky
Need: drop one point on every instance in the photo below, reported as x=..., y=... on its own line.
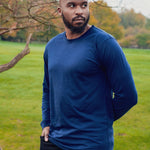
x=142, y=6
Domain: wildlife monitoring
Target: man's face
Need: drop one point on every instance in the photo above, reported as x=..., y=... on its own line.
x=75, y=14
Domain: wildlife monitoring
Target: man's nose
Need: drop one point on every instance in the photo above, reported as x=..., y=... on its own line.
x=78, y=10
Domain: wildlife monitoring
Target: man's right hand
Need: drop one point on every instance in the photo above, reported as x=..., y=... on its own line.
x=45, y=133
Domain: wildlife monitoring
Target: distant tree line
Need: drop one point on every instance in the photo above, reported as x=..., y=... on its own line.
x=136, y=29
x=40, y=17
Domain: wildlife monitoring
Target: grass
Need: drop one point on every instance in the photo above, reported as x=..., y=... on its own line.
x=132, y=132
x=21, y=93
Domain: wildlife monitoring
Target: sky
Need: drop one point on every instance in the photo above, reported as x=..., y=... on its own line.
x=142, y=6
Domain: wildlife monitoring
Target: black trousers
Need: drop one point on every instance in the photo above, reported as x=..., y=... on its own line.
x=47, y=145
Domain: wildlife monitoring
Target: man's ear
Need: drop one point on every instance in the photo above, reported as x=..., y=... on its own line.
x=59, y=11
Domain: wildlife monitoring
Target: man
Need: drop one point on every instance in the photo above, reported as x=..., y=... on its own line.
x=87, y=84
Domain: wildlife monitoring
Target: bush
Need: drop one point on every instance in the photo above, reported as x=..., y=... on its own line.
x=128, y=42
x=143, y=40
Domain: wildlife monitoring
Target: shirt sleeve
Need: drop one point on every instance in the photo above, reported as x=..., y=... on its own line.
x=45, y=98
x=119, y=77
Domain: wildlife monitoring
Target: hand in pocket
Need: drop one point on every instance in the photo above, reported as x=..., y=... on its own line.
x=45, y=133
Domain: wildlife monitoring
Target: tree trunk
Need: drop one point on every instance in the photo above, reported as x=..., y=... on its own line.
x=17, y=58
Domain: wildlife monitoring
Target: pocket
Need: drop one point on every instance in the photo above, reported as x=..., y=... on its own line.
x=46, y=145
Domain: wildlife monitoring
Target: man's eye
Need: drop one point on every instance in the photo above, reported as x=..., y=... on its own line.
x=84, y=5
x=71, y=5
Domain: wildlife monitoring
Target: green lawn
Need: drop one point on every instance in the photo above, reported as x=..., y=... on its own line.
x=21, y=93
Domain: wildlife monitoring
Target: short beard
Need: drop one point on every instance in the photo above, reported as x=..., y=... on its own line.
x=74, y=29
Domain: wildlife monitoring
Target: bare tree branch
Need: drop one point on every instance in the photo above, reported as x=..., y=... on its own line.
x=6, y=30
x=15, y=60
x=18, y=15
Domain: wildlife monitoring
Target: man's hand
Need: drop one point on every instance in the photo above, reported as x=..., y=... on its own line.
x=45, y=133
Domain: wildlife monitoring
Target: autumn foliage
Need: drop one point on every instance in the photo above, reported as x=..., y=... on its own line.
x=136, y=29
x=32, y=15
x=105, y=18
x=18, y=18
x=25, y=15
x=41, y=18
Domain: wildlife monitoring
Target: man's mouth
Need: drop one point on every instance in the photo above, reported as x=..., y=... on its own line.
x=78, y=19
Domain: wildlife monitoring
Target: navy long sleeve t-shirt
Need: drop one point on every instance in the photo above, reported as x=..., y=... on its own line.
x=87, y=85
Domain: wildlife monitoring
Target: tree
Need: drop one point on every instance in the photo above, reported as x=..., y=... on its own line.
x=131, y=40
x=131, y=19
x=21, y=14
x=147, y=25
x=46, y=34
x=136, y=29
x=33, y=15
x=105, y=18
x=143, y=40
